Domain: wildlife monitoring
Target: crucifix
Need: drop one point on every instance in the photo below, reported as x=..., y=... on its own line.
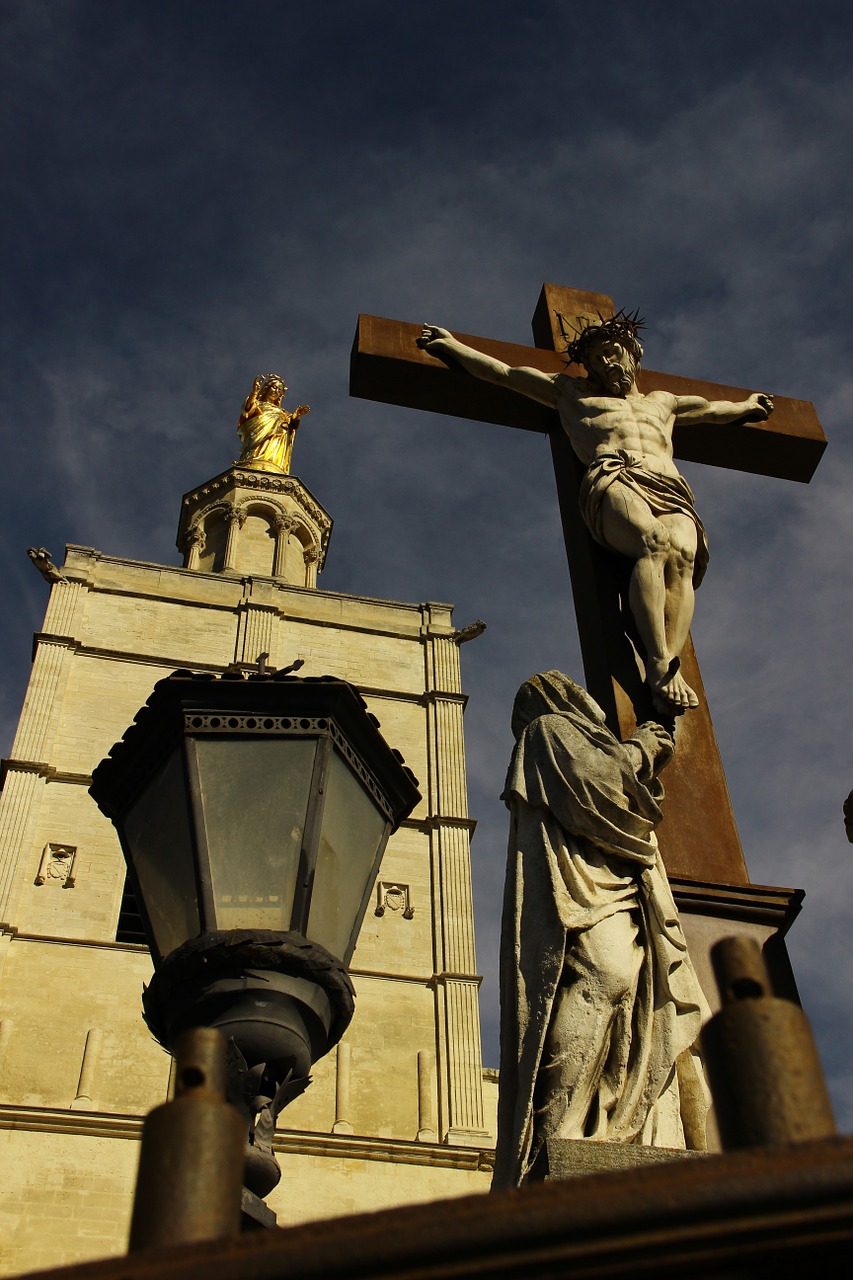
x=698, y=838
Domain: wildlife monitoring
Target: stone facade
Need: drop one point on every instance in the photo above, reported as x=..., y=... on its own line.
x=401, y=1112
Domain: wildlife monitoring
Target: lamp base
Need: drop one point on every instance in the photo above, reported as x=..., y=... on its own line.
x=240, y=961
x=284, y=1002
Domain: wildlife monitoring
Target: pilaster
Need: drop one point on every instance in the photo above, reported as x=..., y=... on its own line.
x=25, y=771
x=255, y=631
x=456, y=983
x=23, y=789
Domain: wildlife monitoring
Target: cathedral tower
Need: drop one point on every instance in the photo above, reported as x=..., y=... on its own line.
x=400, y=1112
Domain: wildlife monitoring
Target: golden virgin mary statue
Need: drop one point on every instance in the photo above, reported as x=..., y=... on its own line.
x=266, y=430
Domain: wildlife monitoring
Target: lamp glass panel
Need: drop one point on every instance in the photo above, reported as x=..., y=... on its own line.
x=255, y=794
x=350, y=838
x=157, y=833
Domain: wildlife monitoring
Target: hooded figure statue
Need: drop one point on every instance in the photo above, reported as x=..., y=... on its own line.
x=599, y=999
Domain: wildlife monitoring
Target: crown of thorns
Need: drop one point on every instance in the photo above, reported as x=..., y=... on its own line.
x=622, y=328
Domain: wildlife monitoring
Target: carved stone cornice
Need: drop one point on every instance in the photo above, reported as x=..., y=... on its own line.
x=48, y=637
x=10, y=764
x=437, y=821
x=340, y=1146
x=442, y=979
x=431, y=696
x=750, y=903
x=47, y=771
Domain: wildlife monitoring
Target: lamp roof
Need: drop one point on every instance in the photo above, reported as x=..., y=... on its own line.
x=270, y=699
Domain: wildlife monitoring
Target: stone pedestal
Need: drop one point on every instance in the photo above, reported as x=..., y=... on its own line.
x=247, y=521
x=564, y=1158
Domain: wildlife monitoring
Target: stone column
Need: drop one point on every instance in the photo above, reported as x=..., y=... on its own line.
x=311, y=556
x=234, y=518
x=192, y=547
x=342, y=1099
x=283, y=526
x=426, y=1089
x=85, y=1098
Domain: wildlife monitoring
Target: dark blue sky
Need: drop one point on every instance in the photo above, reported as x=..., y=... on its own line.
x=197, y=191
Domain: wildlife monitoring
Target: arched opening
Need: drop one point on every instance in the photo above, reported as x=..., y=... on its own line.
x=256, y=544
x=211, y=557
x=293, y=563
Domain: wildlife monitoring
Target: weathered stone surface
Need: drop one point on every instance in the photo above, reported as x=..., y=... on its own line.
x=563, y=1158
x=600, y=1005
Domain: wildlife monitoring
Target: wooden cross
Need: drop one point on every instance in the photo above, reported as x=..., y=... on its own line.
x=698, y=838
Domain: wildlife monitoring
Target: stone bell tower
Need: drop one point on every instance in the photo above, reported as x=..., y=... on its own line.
x=403, y=1111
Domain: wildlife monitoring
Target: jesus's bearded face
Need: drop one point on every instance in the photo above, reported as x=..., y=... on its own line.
x=611, y=365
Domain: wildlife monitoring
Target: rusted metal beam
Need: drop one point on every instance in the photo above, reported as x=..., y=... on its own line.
x=761, y=1213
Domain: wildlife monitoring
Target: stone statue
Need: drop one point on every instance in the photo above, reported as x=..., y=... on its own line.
x=633, y=500
x=41, y=558
x=600, y=1005
x=266, y=430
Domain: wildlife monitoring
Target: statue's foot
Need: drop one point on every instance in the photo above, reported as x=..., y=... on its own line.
x=670, y=691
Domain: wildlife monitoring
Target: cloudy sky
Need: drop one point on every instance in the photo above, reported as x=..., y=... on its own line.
x=202, y=189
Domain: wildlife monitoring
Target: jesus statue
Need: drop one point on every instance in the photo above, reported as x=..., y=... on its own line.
x=633, y=499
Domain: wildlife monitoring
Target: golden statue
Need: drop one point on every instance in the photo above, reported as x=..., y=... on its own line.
x=266, y=430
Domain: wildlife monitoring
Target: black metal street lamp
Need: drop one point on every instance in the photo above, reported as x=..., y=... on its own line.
x=253, y=814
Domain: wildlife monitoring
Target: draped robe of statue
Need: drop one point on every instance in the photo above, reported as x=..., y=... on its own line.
x=266, y=435
x=590, y=931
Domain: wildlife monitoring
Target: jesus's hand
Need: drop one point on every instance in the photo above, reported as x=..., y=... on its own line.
x=431, y=333
x=759, y=407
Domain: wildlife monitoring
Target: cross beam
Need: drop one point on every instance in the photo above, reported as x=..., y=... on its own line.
x=387, y=366
x=698, y=837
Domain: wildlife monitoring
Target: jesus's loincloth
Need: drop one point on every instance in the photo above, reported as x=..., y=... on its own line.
x=663, y=495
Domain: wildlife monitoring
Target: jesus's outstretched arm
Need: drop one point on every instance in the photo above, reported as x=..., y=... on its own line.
x=527, y=382
x=698, y=411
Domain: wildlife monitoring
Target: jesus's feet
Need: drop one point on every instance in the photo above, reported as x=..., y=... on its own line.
x=671, y=694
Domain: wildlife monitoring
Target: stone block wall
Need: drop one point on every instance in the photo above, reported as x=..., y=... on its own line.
x=78, y=1069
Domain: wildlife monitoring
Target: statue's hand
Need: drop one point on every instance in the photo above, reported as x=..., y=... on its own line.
x=759, y=406
x=300, y=411
x=657, y=741
x=432, y=333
